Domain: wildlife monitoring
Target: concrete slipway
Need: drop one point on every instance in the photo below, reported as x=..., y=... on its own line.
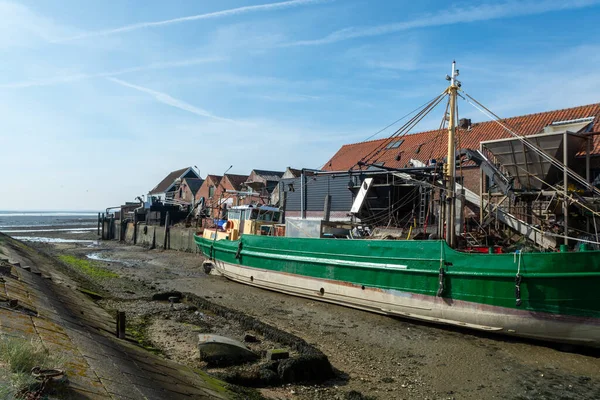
x=98, y=366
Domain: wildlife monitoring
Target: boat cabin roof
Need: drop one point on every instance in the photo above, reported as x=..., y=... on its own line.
x=251, y=207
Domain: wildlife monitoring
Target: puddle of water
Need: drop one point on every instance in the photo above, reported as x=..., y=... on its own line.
x=98, y=256
x=53, y=240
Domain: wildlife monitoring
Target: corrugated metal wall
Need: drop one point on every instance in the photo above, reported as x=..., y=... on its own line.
x=316, y=188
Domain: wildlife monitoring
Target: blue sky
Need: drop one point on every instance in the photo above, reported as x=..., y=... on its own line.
x=100, y=99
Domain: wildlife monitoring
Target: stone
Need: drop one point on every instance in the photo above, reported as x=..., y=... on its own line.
x=222, y=351
x=165, y=295
x=277, y=354
x=250, y=338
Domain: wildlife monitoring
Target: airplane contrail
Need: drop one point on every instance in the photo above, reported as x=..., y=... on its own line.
x=212, y=15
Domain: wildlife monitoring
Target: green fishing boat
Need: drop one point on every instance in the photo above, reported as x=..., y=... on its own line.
x=543, y=295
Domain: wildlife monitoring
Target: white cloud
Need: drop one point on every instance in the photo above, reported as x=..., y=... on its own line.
x=212, y=15
x=77, y=77
x=451, y=16
x=20, y=26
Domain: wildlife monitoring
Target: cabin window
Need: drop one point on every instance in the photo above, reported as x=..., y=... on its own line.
x=234, y=214
x=394, y=144
x=211, y=191
x=266, y=216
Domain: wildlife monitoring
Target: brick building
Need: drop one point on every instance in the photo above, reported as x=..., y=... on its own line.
x=214, y=192
x=186, y=193
x=167, y=188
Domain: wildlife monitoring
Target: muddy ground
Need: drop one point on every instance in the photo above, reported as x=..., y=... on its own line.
x=378, y=356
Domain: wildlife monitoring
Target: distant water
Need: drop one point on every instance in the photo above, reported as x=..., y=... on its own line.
x=15, y=220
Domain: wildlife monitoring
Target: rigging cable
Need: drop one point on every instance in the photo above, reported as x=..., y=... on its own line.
x=388, y=126
x=404, y=128
x=530, y=145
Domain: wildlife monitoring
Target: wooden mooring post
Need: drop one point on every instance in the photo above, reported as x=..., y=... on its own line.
x=98, y=224
x=167, y=232
x=121, y=324
x=134, y=227
x=327, y=208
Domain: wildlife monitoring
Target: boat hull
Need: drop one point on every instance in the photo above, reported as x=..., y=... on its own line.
x=278, y=270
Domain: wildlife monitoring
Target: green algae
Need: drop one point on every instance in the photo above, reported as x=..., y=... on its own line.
x=138, y=330
x=88, y=267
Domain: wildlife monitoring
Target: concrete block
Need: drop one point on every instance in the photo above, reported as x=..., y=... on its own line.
x=277, y=354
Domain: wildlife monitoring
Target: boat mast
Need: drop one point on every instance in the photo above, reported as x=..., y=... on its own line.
x=450, y=166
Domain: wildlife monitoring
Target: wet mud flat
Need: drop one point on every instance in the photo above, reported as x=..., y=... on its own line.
x=82, y=234
x=373, y=356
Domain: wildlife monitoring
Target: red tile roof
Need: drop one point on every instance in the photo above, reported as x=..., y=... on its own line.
x=236, y=180
x=215, y=179
x=433, y=144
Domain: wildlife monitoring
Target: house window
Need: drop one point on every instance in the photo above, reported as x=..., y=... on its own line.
x=211, y=191
x=572, y=125
x=394, y=144
x=375, y=165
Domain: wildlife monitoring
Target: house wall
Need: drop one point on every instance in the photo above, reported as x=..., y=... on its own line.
x=220, y=189
x=254, y=177
x=205, y=189
x=274, y=200
x=184, y=193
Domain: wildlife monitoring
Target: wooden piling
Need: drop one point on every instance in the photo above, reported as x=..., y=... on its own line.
x=167, y=222
x=327, y=208
x=134, y=227
x=102, y=237
x=98, y=224
x=121, y=324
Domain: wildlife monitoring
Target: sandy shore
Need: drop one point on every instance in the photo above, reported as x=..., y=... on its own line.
x=378, y=356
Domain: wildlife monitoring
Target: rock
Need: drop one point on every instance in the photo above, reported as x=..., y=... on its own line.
x=250, y=338
x=223, y=351
x=354, y=395
x=165, y=296
x=277, y=354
